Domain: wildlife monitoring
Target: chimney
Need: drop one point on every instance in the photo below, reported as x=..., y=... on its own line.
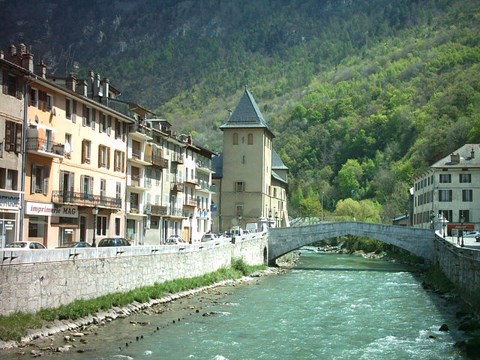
x=106, y=88
x=42, y=69
x=12, y=51
x=83, y=88
x=455, y=158
x=2, y=54
x=472, y=154
x=91, y=78
x=71, y=82
x=22, y=49
x=27, y=61
x=96, y=86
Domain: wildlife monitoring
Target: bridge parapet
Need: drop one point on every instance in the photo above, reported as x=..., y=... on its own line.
x=417, y=241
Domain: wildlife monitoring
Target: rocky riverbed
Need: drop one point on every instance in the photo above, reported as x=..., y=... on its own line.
x=134, y=320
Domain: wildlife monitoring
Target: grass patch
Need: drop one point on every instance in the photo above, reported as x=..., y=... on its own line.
x=15, y=326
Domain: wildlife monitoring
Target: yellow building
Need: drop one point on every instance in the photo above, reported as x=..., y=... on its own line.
x=75, y=163
x=250, y=178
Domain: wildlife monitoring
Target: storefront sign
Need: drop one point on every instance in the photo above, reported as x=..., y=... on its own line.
x=9, y=200
x=41, y=209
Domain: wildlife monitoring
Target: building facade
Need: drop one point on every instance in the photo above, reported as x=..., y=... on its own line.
x=78, y=164
x=447, y=197
x=249, y=174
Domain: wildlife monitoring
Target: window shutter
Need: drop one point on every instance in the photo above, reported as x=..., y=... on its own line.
x=18, y=144
x=8, y=135
x=90, y=188
x=84, y=116
x=109, y=125
x=34, y=180
x=74, y=111
x=84, y=151
x=100, y=156
x=71, y=180
x=94, y=118
x=45, y=185
x=108, y=158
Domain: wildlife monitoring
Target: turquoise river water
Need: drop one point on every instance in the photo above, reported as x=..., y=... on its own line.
x=328, y=307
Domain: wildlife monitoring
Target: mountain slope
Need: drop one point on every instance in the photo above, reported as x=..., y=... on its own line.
x=362, y=94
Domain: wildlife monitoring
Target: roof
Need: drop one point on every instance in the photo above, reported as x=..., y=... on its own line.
x=277, y=163
x=246, y=115
x=466, y=156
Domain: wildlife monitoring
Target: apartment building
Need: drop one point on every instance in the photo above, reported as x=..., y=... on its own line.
x=250, y=175
x=13, y=78
x=447, y=197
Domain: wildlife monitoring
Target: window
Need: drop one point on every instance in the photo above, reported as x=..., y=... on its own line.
x=8, y=179
x=12, y=180
x=89, y=117
x=10, y=86
x=86, y=184
x=239, y=186
x=102, y=225
x=49, y=102
x=465, y=178
x=244, y=159
x=34, y=97
x=117, y=226
x=118, y=190
x=13, y=136
x=445, y=195
x=103, y=157
x=119, y=161
x=109, y=125
x=68, y=145
x=103, y=188
x=250, y=139
x=86, y=151
x=447, y=214
x=467, y=195
x=445, y=178
x=465, y=214
x=39, y=180
x=235, y=138
x=239, y=210
x=102, y=123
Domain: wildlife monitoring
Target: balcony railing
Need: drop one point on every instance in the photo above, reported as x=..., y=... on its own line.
x=177, y=187
x=158, y=210
x=190, y=202
x=177, y=158
x=140, y=129
x=79, y=198
x=46, y=146
x=160, y=161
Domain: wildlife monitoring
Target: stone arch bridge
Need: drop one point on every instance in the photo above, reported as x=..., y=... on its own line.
x=419, y=242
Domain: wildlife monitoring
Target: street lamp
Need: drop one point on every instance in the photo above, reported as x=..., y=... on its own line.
x=444, y=221
x=95, y=213
x=191, y=229
x=462, y=220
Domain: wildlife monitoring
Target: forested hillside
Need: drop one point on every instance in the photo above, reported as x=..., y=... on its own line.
x=362, y=94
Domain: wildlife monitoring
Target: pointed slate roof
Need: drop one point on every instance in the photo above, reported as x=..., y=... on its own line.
x=246, y=115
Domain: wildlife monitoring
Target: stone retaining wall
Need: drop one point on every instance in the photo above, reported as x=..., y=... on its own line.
x=32, y=280
x=462, y=267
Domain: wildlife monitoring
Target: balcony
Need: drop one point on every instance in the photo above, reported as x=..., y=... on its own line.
x=177, y=187
x=140, y=132
x=204, y=166
x=160, y=161
x=135, y=181
x=190, y=203
x=158, y=210
x=85, y=199
x=176, y=158
x=44, y=147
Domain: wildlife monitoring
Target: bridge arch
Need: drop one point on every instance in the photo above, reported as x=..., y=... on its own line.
x=416, y=241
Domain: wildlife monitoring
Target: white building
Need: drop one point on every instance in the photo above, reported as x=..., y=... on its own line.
x=447, y=197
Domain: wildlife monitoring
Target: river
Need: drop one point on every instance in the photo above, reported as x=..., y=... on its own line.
x=329, y=306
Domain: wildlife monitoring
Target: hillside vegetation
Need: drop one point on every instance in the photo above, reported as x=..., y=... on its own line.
x=362, y=94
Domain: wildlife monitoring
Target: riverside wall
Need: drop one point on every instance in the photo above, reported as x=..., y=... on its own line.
x=461, y=266
x=33, y=280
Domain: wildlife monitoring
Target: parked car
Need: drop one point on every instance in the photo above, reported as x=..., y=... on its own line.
x=26, y=245
x=209, y=237
x=174, y=240
x=75, y=244
x=113, y=241
x=471, y=234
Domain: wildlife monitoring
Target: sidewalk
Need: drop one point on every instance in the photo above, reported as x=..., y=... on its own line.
x=468, y=242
